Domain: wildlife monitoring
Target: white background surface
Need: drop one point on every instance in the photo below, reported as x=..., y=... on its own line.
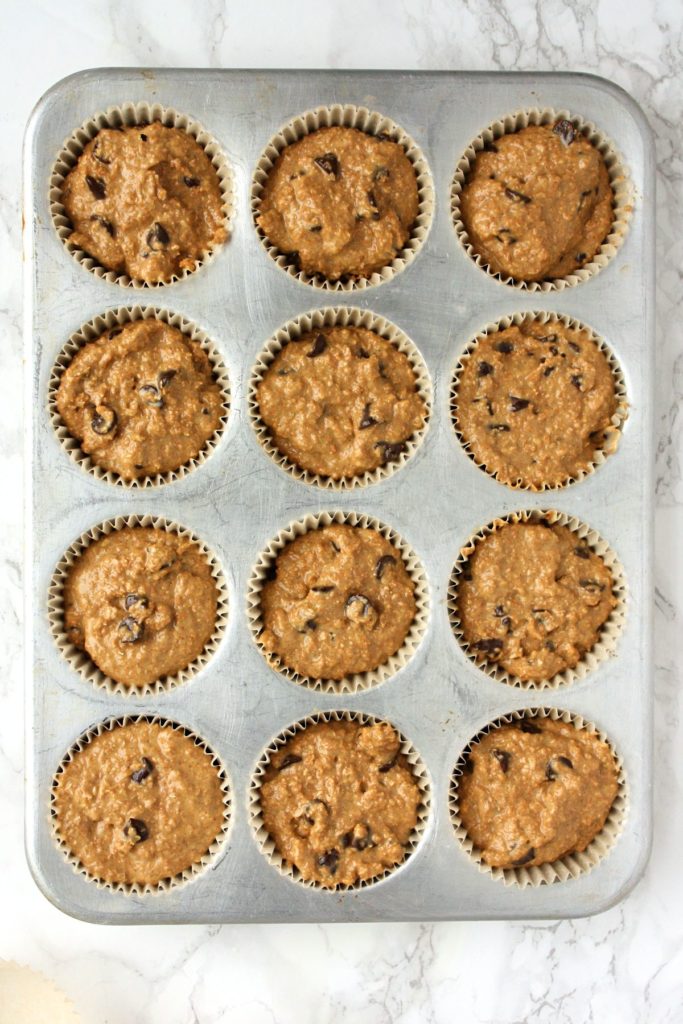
x=621, y=967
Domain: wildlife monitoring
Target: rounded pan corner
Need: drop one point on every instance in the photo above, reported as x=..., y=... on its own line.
x=623, y=97
x=628, y=884
x=51, y=895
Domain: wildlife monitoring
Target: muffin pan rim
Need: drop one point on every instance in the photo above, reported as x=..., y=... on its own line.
x=435, y=304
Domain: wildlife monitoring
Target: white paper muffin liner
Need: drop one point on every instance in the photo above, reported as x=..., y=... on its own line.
x=80, y=660
x=371, y=123
x=612, y=433
x=165, y=884
x=338, y=316
x=29, y=997
x=618, y=176
x=124, y=116
x=610, y=632
x=94, y=329
x=266, y=843
x=360, y=680
x=572, y=865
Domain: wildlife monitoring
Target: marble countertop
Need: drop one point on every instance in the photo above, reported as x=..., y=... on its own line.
x=623, y=966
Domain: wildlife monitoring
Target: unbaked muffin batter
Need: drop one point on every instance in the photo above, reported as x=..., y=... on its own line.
x=141, y=399
x=140, y=803
x=535, y=402
x=142, y=603
x=533, y=598
x=340, y=801
x=146, y=201
x=538, y=203
x=341, y=602
x=340, y=401
x=341, y=202
x=536, y=790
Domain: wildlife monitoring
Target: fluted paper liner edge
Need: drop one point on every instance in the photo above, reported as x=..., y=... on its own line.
x=608, y=638
x=127, y=115
x=165, y=884
x=266, y=843
x=618, y=177
x=372, y=123
x=80, y=660
x=572, y=865
x=612, y=433
x=318, y=319
x=360, y=680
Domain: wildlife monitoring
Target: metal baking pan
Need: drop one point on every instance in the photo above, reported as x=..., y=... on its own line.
x=239, y=499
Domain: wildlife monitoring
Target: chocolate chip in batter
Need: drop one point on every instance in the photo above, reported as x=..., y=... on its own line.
x=566, y=131
x=131, y=599
x=382, y=563
x=319, y=346
x=551, y=771
x=157, y=236
x=517, y=404
x=366, y=419
x=358, y=608
x=288, y=760
x=506, y=347
x=329, y=860
x=135, y=830
x=106, y=224
x=529, y=855
x=502, y=757
x=151, y=396
x=490, y=646
x=484, y=369
x=391, y=451
x=577, y=380
x=327, y=589
x=103, y=420
x=528, y=726
x=548, y=370
x=517, y=197
x=165, y=377
x=143, y=773
x=582, y=552
x=96, y=186
x=328, y=163
x=580, y=257
x=130, y=630
x=190, y=182
x=383, y=769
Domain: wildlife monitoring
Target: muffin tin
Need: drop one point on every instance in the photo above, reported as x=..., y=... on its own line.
x=239, y=499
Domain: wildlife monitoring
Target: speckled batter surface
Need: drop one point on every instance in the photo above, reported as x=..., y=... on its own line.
x=141, y=399
x=142, y=602
x=145, y=201
x=340, y=801
x=533, y=599
x=140, y=803
x=538, y=203
x=341, y=401
x=535, y=403
x=341, y=602
x=344, y=201
x=536, y=790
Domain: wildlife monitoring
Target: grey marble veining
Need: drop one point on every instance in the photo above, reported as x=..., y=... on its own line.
x=623, y=966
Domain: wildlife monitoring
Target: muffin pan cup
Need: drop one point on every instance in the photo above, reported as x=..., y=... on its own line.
x=164, y=885
x=618, y=177
x=612, y=433
x=238, y=500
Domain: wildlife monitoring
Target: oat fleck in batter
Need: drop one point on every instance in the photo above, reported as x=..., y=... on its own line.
x=341, y=602
x=538, y=203
x=141, y=399
x=533, y=598
x=535, y=403
x=142, y=602
x=140, y=803
x=341, y=201
x=341, y=401
x=146, y=201
x=340, y=801
x=536, y=790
